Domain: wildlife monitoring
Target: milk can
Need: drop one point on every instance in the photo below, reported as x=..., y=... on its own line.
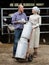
x=27, y=30
x=22, y=48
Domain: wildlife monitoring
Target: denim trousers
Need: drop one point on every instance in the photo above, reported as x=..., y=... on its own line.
x=17, y=34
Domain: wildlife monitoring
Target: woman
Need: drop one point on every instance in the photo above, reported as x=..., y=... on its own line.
x=35, y=19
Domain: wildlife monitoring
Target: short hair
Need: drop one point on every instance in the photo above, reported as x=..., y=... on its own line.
x=20, y=5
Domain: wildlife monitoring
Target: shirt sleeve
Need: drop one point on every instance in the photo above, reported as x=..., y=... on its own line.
x=14, y=18
x=39, y=23
x=26, y=17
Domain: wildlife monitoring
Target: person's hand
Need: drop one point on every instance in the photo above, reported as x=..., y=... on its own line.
x=35, y=26
x=22, y=21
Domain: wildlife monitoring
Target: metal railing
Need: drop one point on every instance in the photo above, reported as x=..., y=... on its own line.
x=4, y=25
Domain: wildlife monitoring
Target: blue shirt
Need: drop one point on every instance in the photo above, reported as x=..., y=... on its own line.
x=18, y=16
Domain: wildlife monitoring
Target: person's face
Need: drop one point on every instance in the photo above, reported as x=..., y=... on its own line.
x=21, y=9
x=33, y=11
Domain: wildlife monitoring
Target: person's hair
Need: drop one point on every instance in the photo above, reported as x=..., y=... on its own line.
x=20, y=5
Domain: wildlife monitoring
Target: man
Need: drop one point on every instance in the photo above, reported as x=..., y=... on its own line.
x=18, y=19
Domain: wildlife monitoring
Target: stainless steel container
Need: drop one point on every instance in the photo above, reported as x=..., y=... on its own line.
x=27, y=30
x=22, y=48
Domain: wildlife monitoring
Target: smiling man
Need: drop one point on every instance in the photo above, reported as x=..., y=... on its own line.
x=18, y=19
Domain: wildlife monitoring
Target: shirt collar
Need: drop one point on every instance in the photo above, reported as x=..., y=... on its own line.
x=20, y=13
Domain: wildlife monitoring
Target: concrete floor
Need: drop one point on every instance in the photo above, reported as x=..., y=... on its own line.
x=6, y=56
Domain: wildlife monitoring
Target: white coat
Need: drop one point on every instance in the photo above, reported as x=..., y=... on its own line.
x=35, y=36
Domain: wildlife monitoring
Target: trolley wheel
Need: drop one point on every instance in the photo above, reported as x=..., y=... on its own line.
x=30, y=58
x=20, y=59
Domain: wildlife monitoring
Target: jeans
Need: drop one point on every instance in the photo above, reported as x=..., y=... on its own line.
x=17, y=34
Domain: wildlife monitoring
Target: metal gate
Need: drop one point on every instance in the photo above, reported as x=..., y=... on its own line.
x=5, y=18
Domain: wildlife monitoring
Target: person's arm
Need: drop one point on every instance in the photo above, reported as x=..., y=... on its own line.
x=26, y=19
x=38, y=24
x=39, y=21
x=23, y=21
x=30, y=19
x=14, y=19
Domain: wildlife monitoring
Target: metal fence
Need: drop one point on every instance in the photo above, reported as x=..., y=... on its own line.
x=5, y=17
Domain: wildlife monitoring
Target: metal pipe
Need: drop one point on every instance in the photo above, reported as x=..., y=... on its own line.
x=34, y=2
